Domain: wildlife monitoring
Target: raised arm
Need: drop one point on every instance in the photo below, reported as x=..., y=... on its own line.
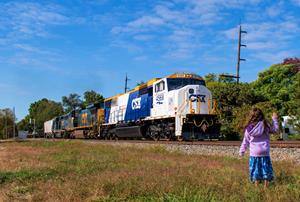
x=244, y=144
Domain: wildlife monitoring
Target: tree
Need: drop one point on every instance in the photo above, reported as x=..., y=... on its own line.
x=91, y=97
x=294, y=103
x=140, y=83
x=41, y=111
x=6, y=123
x=71, y=102
x=211, y=77
x=230, y=96
x=287, y=61
x=277, y=85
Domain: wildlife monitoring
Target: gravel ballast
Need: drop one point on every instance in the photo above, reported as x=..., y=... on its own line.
x=277, y=154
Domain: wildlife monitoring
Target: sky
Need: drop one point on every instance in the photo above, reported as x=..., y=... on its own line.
x=49, y=49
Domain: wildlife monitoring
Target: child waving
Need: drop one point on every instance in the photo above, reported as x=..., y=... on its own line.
x=257, y=135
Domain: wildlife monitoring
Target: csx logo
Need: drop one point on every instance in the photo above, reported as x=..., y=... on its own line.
x=194, y=98
x=136, y=103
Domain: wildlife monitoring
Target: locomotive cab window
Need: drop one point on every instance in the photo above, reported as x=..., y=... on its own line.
x=160, y=86
x=176, y=83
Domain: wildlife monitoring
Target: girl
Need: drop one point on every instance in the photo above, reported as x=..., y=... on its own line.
x=257, y=135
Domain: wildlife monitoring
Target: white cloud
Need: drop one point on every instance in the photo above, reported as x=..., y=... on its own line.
x=32, y=49
x=126, y=45
x=143, y=37
x=181, y=44
x=30, y=19
x=140, y=24
x=261, y=45
x=268, y=33
x=183, y=30
x=297, y=2
x=171, y=15
x=274, y=11
x=141, y=58
x=273, y=57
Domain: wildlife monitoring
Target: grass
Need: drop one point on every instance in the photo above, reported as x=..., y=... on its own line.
x=78, y=171
x=294, y=137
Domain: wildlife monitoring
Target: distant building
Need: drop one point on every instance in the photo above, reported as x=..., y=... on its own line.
x=287, y=127
x=22, y=134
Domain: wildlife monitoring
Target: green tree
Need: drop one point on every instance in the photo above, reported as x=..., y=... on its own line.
x=41, y=111
x=211, y=77
x=91, y=97
x=140, y=83
x=6, y=123
x=294, y=103
x=230, y=96
x=277, y=85
x=71, y=102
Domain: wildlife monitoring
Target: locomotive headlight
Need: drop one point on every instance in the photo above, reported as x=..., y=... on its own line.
x=191, y=91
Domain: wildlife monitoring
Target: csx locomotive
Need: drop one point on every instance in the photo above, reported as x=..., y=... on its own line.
x=178, y=106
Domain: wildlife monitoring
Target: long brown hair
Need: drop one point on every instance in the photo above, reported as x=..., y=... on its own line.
x=256, y=115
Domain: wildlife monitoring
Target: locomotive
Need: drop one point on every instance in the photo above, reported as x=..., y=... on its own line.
x=178, y=106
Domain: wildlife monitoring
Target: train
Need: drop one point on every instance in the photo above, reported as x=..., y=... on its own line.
x=176, y=107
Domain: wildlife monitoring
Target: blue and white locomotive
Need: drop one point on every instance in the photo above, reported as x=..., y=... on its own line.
x=178, y=106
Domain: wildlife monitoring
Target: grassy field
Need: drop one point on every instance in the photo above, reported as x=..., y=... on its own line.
x=76, y=171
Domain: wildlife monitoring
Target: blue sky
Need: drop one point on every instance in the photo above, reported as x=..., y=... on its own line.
x=54, y=48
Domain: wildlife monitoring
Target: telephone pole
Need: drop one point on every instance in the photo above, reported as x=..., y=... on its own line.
x=5, y=124
x=14, y=123
x=126, y=83
x=239, y=59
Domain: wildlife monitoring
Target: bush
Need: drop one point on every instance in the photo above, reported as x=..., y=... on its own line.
x=229, y=133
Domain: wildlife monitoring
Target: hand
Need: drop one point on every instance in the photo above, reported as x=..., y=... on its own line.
x=274, y=116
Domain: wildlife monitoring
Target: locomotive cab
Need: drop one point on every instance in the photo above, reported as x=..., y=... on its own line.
x=186, y=98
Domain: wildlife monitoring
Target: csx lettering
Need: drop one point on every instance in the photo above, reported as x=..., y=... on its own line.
x=194, y=98
x=136, y=103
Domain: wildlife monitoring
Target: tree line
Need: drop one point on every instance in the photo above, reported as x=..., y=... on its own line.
x=276, y=89
x=45, y=109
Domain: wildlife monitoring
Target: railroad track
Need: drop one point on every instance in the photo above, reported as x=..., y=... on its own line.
x=274, y=144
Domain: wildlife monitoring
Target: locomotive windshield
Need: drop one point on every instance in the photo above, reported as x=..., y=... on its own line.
x=176, y=83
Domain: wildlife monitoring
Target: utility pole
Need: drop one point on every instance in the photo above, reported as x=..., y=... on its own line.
x=5, y=124
x=14, y=123
x=239, y=59
x=126, y=83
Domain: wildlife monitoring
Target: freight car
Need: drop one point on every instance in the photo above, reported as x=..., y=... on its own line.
x=178, y=106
